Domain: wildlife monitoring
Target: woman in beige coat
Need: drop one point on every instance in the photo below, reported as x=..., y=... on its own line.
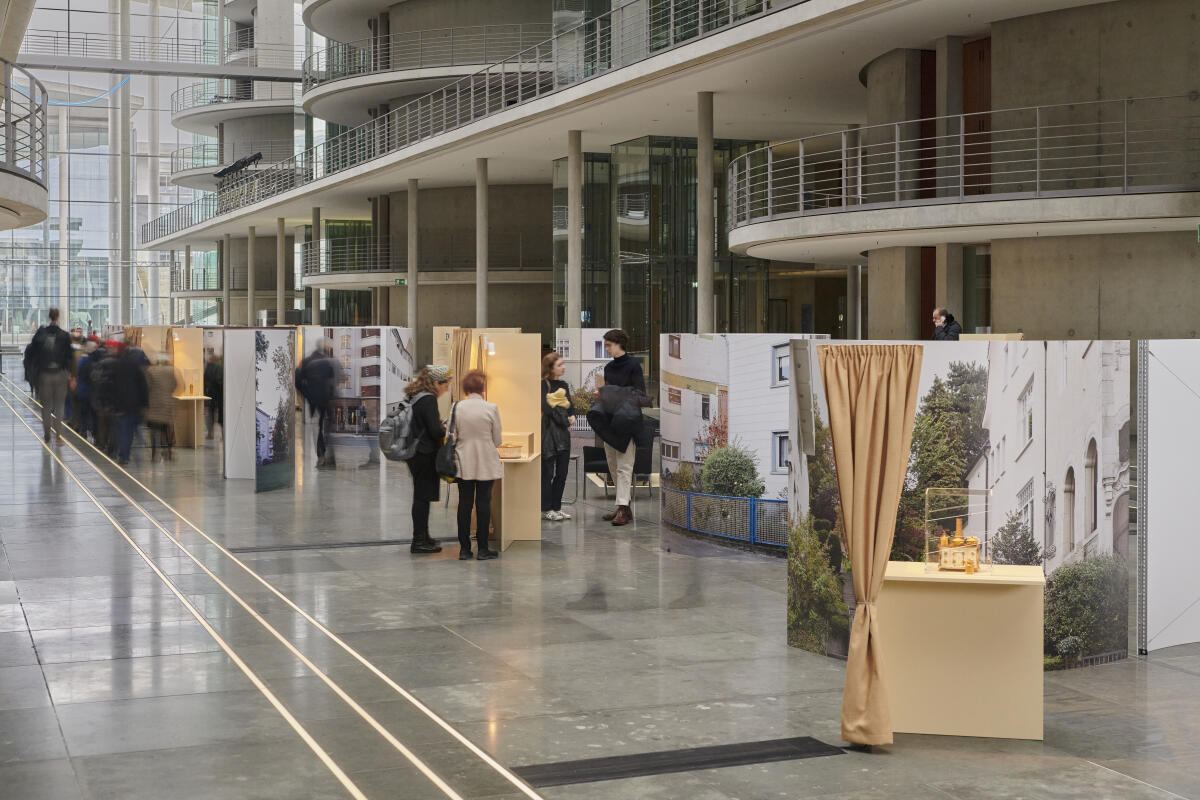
x=476, y=432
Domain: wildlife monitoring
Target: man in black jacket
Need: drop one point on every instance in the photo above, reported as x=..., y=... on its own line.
x=945, y=326
x=130, y=397
x=316, y=380
x=49, y=365
x=617, y=419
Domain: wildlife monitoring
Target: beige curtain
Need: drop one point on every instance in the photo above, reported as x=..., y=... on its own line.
x=872, y=395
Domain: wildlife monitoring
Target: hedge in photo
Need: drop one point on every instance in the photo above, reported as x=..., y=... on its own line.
x=732, y=471
x=1087, y=608
x=816, y=611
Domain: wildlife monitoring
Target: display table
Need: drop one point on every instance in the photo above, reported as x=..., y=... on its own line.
x=962, y=654
x=514, y=517
x=190, y=430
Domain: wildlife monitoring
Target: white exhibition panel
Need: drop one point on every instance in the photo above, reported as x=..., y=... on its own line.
x=1172, y=546
x=239, y=404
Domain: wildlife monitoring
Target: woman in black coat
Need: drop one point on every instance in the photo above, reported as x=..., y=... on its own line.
x=558, y=415
x=427, y=427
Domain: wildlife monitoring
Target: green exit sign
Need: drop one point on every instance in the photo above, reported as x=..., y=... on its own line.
x=402, y=281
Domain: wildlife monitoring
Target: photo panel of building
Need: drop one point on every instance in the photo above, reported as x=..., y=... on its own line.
x=1031, y=439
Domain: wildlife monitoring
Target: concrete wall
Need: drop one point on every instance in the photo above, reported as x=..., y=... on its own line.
x=274, y=128
x=893, y=304
x=1130, y=48
x=894, y=87
x=1119, y=286
x=264, y=259
x=519, y=230
x=516, y=305
x=413, y=15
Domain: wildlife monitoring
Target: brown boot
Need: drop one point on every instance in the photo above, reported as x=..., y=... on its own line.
x=623, y=516
x=610, y=516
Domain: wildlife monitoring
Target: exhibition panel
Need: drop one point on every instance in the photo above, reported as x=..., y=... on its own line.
x=260, y=405
x=1168, y=439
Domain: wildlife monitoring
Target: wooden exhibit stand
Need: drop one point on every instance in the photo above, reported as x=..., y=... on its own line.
x=962, y=654
x=513, y=363
x=187, y=355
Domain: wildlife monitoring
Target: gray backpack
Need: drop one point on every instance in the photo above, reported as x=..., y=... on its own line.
x=397, y=439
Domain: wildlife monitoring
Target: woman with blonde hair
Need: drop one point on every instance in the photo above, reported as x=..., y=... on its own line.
x=427, y=430
x=476, y=430
x=558, y=415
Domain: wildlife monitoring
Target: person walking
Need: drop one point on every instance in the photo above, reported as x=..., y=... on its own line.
x=617, y=419
x=945, y=326
x=49, y=361
x=214, y=390
x=427, y=430
x=131, y=397
x=475, y=425
x=160, y=415
x=316, y=380
x=558, y=415
x=83, y=401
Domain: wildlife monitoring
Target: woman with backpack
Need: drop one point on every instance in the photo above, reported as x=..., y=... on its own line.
x=428, y=432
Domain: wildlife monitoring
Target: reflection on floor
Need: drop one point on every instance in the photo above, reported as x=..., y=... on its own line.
x=601, y=642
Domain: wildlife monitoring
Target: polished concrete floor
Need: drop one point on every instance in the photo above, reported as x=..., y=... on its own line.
x=229, y=649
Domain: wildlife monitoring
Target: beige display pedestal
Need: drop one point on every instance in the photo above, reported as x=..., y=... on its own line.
x=962, y=653
x=189, y=427
x=186, y=348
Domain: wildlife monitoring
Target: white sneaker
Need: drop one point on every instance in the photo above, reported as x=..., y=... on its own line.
x=563, y=515
x=550, y=515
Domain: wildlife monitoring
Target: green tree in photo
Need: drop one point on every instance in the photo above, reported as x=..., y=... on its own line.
x=1014, y=543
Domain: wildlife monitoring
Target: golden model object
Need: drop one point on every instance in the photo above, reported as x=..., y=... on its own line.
x=960, y=554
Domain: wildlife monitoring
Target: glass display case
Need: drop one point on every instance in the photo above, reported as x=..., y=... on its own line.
x=956, y=530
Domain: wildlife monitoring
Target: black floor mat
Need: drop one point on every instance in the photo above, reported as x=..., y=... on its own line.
x=611, y=768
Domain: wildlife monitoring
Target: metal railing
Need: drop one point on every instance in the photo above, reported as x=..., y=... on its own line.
x=22, y=123
x=441, y=47
x=135, y=47
x=747, y=519
x=239, y=41
x=199, y=278
x=1099, y=147
x=211, y=92
x=626, y=35
x=443, y=250
x=208, y=154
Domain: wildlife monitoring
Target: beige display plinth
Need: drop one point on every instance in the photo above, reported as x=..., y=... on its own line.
x=186, y=349
x=962, y=654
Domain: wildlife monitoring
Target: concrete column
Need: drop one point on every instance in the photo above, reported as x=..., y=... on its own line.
x=481, y=243
x=250, y=276
x=854, y=301
x=949, y=55
x=187, y=282
x=893, y=304
x=413, y=252
x=280, y=270
x=125, y=165
x=227, y=281
x=948, y=272
x=64, y=219
x=574, y=287
x=705, y=222
x=315, y=253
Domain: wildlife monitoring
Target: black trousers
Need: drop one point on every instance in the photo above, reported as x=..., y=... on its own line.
x=479, y=495
x=554, y=480
x=325, y=417
x=425, y=491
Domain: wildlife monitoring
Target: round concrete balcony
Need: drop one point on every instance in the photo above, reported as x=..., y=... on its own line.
x=200, y=107
x=195, y=166
x=342, y=81
x=1084, y=168
x=342, y=20
x=23, y=196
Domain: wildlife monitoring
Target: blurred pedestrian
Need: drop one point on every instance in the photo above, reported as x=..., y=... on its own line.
x=476, y=429
x=160, y=414
x=214, y=390
x=316, y=380
x=86, y=415
x=131, y=398
x=48, y=364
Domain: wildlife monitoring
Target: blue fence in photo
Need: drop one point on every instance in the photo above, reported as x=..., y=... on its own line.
x=744, y=519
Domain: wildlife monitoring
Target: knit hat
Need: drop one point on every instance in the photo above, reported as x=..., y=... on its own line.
x=438, y=372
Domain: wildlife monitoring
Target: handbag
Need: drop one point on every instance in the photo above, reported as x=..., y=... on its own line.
x=446, y=462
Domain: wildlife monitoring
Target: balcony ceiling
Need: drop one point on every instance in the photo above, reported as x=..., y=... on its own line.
x=789, y=74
